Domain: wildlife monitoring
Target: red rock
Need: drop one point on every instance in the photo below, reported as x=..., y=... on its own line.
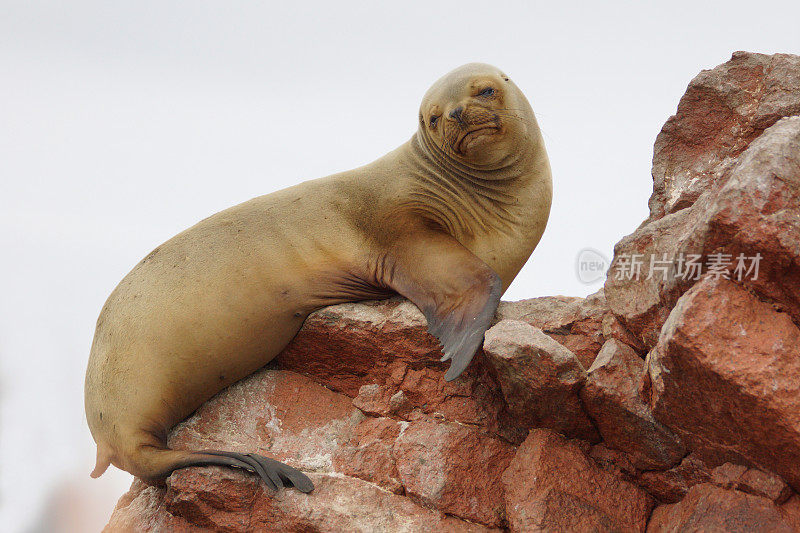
x=749, y=205
x=347, y=504
x=723, y=110
x=615, y=461
x=640, y=301
x=752, y=481
x=540, y=379
x=790, y=511
x=552, y=313
x=226, y=500
x=454, y=469
x=614, y=329
x=142, y=508
x=287, y=416
x=552, y=486
x=670, y=486
x=213, y=498
x=757, y=211
x=666, y=486
x=584, y=347
x=369, y=454
x=359, y=344
x=382, y=400
x=386, y=344
x=764, y=484
x=724, y=376
x=611, y=398
x=576, y=323
x=276, y=413
x=710, y=508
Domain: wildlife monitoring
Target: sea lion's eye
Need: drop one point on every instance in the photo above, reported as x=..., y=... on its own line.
x=489, y=91
x=434, y=120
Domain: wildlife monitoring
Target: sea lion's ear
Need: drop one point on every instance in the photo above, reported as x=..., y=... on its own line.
x=456, y=291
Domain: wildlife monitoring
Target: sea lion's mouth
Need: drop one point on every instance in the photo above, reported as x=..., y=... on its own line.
x=479, y=131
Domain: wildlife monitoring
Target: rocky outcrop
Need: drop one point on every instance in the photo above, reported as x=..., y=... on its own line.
x=748, y=210
x=724, y=376
x=551, y=485
x=540, y=379
x=710, y=508
x=721, y=113
x=611, y=398
x=668, y=401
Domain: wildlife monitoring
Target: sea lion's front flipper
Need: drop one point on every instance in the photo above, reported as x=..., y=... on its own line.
x=456, y=291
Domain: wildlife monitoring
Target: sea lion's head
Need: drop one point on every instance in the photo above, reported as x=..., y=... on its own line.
x=478, y=116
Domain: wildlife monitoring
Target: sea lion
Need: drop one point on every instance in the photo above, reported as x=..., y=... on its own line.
x=446, y=220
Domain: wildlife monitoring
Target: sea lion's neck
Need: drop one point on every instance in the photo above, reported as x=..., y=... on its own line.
x=465, y=200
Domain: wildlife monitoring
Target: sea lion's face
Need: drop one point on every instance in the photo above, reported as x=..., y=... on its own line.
x=476, y=115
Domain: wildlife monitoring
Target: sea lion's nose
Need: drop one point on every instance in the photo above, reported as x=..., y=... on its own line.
x=456, y=114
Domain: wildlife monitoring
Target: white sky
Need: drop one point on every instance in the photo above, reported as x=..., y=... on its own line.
x=122, y=124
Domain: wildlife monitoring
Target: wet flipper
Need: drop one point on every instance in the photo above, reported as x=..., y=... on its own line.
x=456, y=291
x=275, y=474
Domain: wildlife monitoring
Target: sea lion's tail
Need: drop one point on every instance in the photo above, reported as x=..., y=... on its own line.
x=157, y=462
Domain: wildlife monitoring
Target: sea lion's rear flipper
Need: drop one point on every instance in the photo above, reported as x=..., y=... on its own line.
x=275, y=474
x=146, y=457
x=456, y=291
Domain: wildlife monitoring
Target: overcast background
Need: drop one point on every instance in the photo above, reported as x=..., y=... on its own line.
x=123, y=123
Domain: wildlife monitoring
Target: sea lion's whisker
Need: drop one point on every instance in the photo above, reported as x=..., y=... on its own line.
x=516, y=117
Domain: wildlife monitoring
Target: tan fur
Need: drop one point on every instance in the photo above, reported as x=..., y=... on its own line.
x=221, y=299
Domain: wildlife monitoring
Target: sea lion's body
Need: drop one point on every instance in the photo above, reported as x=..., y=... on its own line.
x=221, y=299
